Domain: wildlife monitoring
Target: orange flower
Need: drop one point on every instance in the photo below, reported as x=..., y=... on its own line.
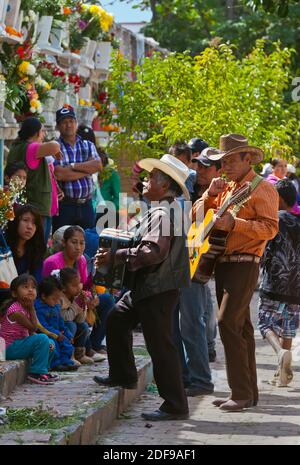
x=67, y=10
x=12, y=31
x=9, y=215
x=4, y=285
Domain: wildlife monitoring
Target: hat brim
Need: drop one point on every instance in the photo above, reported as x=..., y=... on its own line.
x=207, y=165
x=65, y=116
x=149, y=164
x=256, y=153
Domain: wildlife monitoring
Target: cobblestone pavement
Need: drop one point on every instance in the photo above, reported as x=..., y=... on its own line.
x=275, y=420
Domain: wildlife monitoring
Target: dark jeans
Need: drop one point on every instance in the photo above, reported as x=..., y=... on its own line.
x=74, y=214
x=156, y=317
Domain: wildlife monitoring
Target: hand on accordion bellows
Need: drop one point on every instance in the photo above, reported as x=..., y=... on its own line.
x=102, y=257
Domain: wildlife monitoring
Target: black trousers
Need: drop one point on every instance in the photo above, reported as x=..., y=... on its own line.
x=156, y=317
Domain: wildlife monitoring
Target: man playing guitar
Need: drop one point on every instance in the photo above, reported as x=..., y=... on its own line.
x=236, y=272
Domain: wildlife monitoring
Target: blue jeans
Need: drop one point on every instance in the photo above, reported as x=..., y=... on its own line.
x=193, y=302
x=80, y=332
x=180, y=347
x=210, y=322
x=74, y=214
x=47, y=223
x=36, y=347
x=106, y=303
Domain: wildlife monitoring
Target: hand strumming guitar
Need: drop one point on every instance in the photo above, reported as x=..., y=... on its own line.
x=225, y=223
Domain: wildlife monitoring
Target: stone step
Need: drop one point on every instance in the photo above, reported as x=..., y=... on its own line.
x=12, y=374
x=91, y=407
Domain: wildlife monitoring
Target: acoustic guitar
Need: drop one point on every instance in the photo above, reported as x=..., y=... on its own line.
x=206, y=243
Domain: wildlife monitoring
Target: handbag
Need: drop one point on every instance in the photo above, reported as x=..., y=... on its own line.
x=8, y=269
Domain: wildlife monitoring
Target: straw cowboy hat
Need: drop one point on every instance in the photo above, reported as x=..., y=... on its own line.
x=172, y=167
x=235, y=143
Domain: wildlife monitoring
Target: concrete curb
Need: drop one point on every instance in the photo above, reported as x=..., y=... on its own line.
x=12, y=373
x=97, y=419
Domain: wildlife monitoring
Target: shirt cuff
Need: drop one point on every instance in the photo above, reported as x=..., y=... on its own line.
x=209, y=200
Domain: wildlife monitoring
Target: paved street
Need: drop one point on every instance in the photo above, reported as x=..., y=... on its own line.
x=276, y=420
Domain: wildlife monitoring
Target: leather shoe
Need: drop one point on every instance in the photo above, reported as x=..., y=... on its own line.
x=159, y=415
x=106, y=381
x=219, y=402
x=236, y=405
x=194, y=391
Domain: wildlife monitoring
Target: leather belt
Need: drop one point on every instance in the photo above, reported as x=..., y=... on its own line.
x=75, y=201
x=239, y=258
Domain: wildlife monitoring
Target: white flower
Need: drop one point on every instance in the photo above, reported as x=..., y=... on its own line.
x=32, y=15
x=30, y=70
x=32, y=110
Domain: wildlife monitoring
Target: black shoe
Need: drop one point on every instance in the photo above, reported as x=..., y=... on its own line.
x=194, y=391
x=106, y=381
x=159, y=415
x=64, y=368
x=212, y=356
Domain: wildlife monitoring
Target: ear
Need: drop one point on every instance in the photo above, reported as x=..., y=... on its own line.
x=248, y=158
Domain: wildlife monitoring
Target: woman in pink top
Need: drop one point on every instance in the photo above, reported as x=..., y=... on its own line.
x=31, y=149
x=71, y=255
x=18, y=325
x=37, y=150
x=279, y=170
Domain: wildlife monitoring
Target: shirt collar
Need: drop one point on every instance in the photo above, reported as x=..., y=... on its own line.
x=248, y=178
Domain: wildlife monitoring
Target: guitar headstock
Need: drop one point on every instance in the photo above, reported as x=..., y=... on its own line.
x=241, y=195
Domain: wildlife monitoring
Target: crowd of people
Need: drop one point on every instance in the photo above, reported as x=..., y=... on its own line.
x=57, y=317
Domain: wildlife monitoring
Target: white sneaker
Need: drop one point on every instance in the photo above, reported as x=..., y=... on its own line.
x=284, y=366
x=98, y=357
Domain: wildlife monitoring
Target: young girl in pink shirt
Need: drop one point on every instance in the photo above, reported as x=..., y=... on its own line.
x=18, y=325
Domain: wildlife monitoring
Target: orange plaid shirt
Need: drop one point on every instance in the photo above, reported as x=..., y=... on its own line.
x=257, y=220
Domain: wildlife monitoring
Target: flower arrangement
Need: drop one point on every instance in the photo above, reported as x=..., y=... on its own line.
x=102, y=103
x=26, y=90
x=57, y=78
x=87, y=22
x=85, y=103
x=8, y=197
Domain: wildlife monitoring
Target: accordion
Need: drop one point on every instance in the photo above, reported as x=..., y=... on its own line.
x=111, y=276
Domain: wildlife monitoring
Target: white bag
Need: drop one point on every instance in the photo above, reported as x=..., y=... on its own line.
x=8, y=269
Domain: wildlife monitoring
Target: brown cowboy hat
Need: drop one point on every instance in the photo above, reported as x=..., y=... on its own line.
x=235, y=143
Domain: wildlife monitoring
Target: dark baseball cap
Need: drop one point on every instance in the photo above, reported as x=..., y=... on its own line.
x=204, y=157
x=65, y=112
x=197, y=144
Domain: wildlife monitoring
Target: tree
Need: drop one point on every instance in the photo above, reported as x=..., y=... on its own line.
x=179, y=97
x=180, y=25
x=279, y=7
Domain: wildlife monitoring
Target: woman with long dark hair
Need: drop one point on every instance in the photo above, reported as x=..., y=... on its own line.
x=41, y=187
x=25, y=236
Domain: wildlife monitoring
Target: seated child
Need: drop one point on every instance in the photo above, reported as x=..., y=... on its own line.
x=73, y=314
x=47, y=308
x=18, y=325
